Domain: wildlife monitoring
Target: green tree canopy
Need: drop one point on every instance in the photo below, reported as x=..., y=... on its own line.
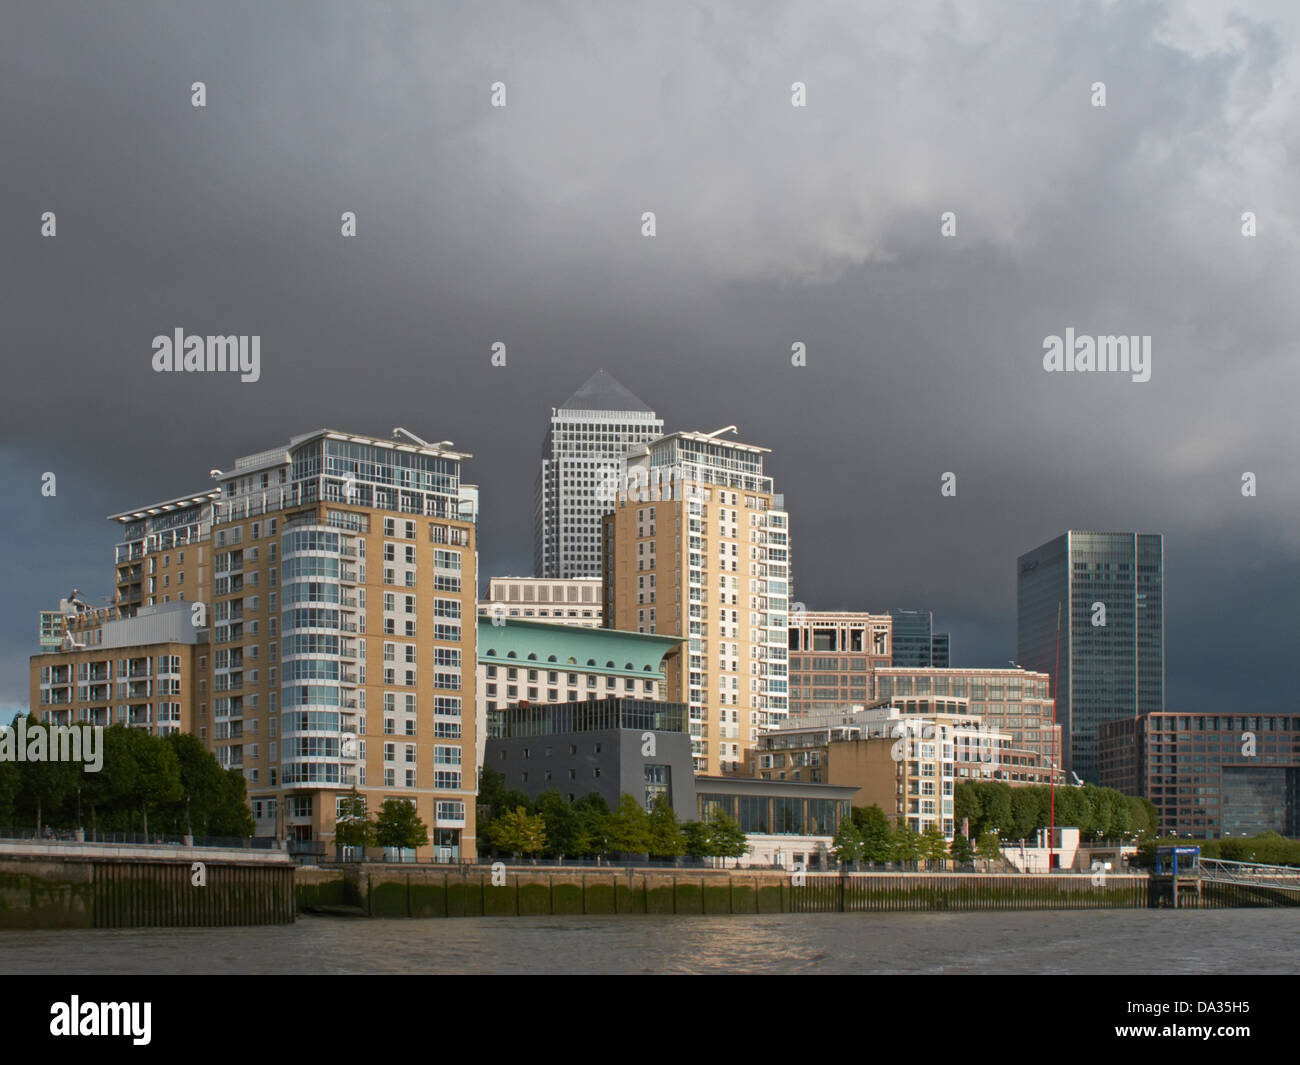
x=848, y=842
x=629, y=827
x=876, y=833
x=961, y=850
x=353, y=826
x=934, y=848
x=666, y=837
x=399, y=825
x=519, y=832
x=560, y=824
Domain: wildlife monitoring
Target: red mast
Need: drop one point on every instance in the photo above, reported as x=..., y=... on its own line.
x=1051, y=831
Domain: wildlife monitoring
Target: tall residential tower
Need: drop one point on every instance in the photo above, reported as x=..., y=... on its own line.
x=698, y=546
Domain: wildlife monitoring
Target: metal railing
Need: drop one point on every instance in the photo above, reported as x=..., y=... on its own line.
x=1252, y=873
x=152, y=839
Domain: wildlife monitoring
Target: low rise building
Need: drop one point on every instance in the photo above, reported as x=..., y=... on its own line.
x=610, y=746
x=144, y=671
x=1208, y=775
x=788, y=823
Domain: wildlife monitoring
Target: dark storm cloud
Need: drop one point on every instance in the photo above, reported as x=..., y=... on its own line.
x=775, y=225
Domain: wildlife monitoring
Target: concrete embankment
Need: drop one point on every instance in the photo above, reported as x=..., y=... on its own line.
x=376, y=890
x=62, y=885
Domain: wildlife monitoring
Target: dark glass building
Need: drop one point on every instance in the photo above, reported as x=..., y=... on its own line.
x=915, y=644
x=1110, y=590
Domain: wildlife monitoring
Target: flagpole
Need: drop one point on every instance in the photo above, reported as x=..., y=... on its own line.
x=1051, y=830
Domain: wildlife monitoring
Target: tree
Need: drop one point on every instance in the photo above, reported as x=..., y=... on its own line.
x=1074, y=808
x=698, y=839
x=961, y=850
x=995, y=802
x=1024, y=813
x=934, y=848
x=560, y=823
x=907, y=844
x=727, y=839
x=666, y=837
x=519, y=832
x=848, y=842
x=629, y=827
x=353, y=826
x=717, y=836
x=141, y=772
x=213, y=800
x=11, y=783
x=593, y=825
x=494, y=798
x=876, y=833
x=989, y=847
x=966, y=804
x=45, y=783
x=398, y=825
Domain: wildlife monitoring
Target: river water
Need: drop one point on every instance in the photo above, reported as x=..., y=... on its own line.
x=1047, y=942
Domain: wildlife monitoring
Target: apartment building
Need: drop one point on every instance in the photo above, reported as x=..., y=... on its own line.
x=141, y=671
x=698, y=547
x=344, y=580
x=576, y=601
x=907, y=764
x=329, y=587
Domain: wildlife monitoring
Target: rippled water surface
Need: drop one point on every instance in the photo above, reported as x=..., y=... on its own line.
x=1117, y=941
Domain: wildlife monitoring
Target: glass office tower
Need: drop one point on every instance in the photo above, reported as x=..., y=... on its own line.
x=582, y=455
x=1112, y=664
x=915, y=643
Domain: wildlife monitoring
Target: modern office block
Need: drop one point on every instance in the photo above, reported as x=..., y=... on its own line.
x=915, y=644
x=1208, y=775
x=582, y=456
x=1109, y=588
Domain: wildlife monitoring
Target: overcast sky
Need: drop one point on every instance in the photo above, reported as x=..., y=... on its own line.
x=775, y=224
